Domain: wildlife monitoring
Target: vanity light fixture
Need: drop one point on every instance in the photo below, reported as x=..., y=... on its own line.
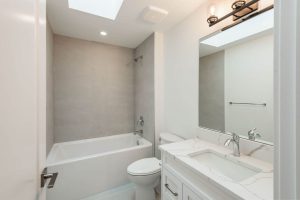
x=212, y=18
x=240, y=9
x=262, y=23
x=238, y=4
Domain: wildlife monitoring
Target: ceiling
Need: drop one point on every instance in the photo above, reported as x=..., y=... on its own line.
x=128, y=30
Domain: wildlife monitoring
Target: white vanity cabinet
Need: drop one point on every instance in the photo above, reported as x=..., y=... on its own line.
x=172, y=187
x=188, y=194
x=197, y=170
x=181, y=183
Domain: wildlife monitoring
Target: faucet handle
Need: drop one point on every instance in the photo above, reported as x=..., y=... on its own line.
x=227, y=142
x=252, y=131
x=252, y=135
x=235, y=137
x=140, y=121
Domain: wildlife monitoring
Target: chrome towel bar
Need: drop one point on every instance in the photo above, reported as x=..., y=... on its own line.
x=253, y=104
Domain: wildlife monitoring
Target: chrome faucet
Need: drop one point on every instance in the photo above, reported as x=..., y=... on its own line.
x=139, y=132
x=252, y=135
x=235, y=140
x=140, y=123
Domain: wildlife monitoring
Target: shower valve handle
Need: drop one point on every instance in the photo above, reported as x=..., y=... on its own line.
x=140, y=121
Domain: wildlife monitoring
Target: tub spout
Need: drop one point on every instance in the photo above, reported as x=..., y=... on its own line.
x=139, y=132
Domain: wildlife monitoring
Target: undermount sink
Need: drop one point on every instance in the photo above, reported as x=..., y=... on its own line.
x=225, y=166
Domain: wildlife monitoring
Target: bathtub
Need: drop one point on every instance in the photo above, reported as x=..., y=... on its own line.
x=92, y=166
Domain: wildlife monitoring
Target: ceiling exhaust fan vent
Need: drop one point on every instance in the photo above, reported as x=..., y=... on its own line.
x=154, y=14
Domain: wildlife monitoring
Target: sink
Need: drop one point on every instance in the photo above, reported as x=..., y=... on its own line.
x=224, y=165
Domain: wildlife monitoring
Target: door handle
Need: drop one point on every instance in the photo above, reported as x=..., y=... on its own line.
x=174, y=193
x=45, y=175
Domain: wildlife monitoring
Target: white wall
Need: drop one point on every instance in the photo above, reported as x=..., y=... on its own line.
x=249, y=71
x=287, y=120
x=181, y=74
x=181, y=45
x=298, y=99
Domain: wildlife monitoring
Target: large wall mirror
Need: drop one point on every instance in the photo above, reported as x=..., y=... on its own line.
x=236, y=73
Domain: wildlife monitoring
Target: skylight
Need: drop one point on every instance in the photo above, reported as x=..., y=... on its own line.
x=256, y=25
x=103, y=8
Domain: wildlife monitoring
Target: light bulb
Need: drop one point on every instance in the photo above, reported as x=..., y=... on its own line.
x=212, y=18
x=212, y=10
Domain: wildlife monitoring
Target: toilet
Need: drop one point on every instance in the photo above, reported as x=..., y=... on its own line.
x=145, y=173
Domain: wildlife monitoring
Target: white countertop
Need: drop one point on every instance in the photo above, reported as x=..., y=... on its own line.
x=259, y=186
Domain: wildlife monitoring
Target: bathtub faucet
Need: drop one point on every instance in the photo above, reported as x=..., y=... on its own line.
x=139, y=132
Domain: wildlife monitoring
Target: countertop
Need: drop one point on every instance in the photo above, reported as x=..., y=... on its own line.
x=259, y=186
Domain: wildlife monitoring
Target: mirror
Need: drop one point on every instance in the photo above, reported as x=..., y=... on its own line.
x=236, y=79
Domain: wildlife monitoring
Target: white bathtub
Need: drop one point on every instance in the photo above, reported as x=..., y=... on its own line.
x=92, y=166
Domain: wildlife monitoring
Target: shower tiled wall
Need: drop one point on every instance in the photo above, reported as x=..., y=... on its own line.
x=144, y=87
x=93, y=89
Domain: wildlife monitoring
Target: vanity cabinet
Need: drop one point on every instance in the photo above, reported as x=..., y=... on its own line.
x=188, y=194
x=172, y=187
x=198, y=170
x=181, y=183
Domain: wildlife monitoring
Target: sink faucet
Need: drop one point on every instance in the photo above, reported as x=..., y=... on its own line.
x=139, y=132
x=235, y=140
x=252, y=135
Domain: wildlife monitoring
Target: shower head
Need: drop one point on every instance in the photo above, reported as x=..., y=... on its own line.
x=138, y=58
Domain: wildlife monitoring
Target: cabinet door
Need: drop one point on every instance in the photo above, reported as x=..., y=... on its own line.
x=171, y=186
x=190, y=195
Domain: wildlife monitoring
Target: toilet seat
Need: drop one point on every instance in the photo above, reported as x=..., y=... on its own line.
x=144, y=167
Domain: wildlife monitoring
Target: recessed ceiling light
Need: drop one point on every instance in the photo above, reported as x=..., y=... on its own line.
x=103, y=33
x=103, y=8
x=259, y=24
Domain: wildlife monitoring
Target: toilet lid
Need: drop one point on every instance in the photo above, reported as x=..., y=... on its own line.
x=144, y=167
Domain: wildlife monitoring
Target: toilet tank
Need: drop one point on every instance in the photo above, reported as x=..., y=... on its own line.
x=166, y=138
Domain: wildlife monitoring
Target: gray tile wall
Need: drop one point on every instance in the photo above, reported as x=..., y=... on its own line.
x=212, y=91
x=93, y=89
x=144, y=87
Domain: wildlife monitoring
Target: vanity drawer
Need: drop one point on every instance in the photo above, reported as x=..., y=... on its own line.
x=188, y=194
x=171, y=187
x=203, y=188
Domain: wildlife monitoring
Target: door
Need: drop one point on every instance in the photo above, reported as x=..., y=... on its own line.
x=22, y=98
